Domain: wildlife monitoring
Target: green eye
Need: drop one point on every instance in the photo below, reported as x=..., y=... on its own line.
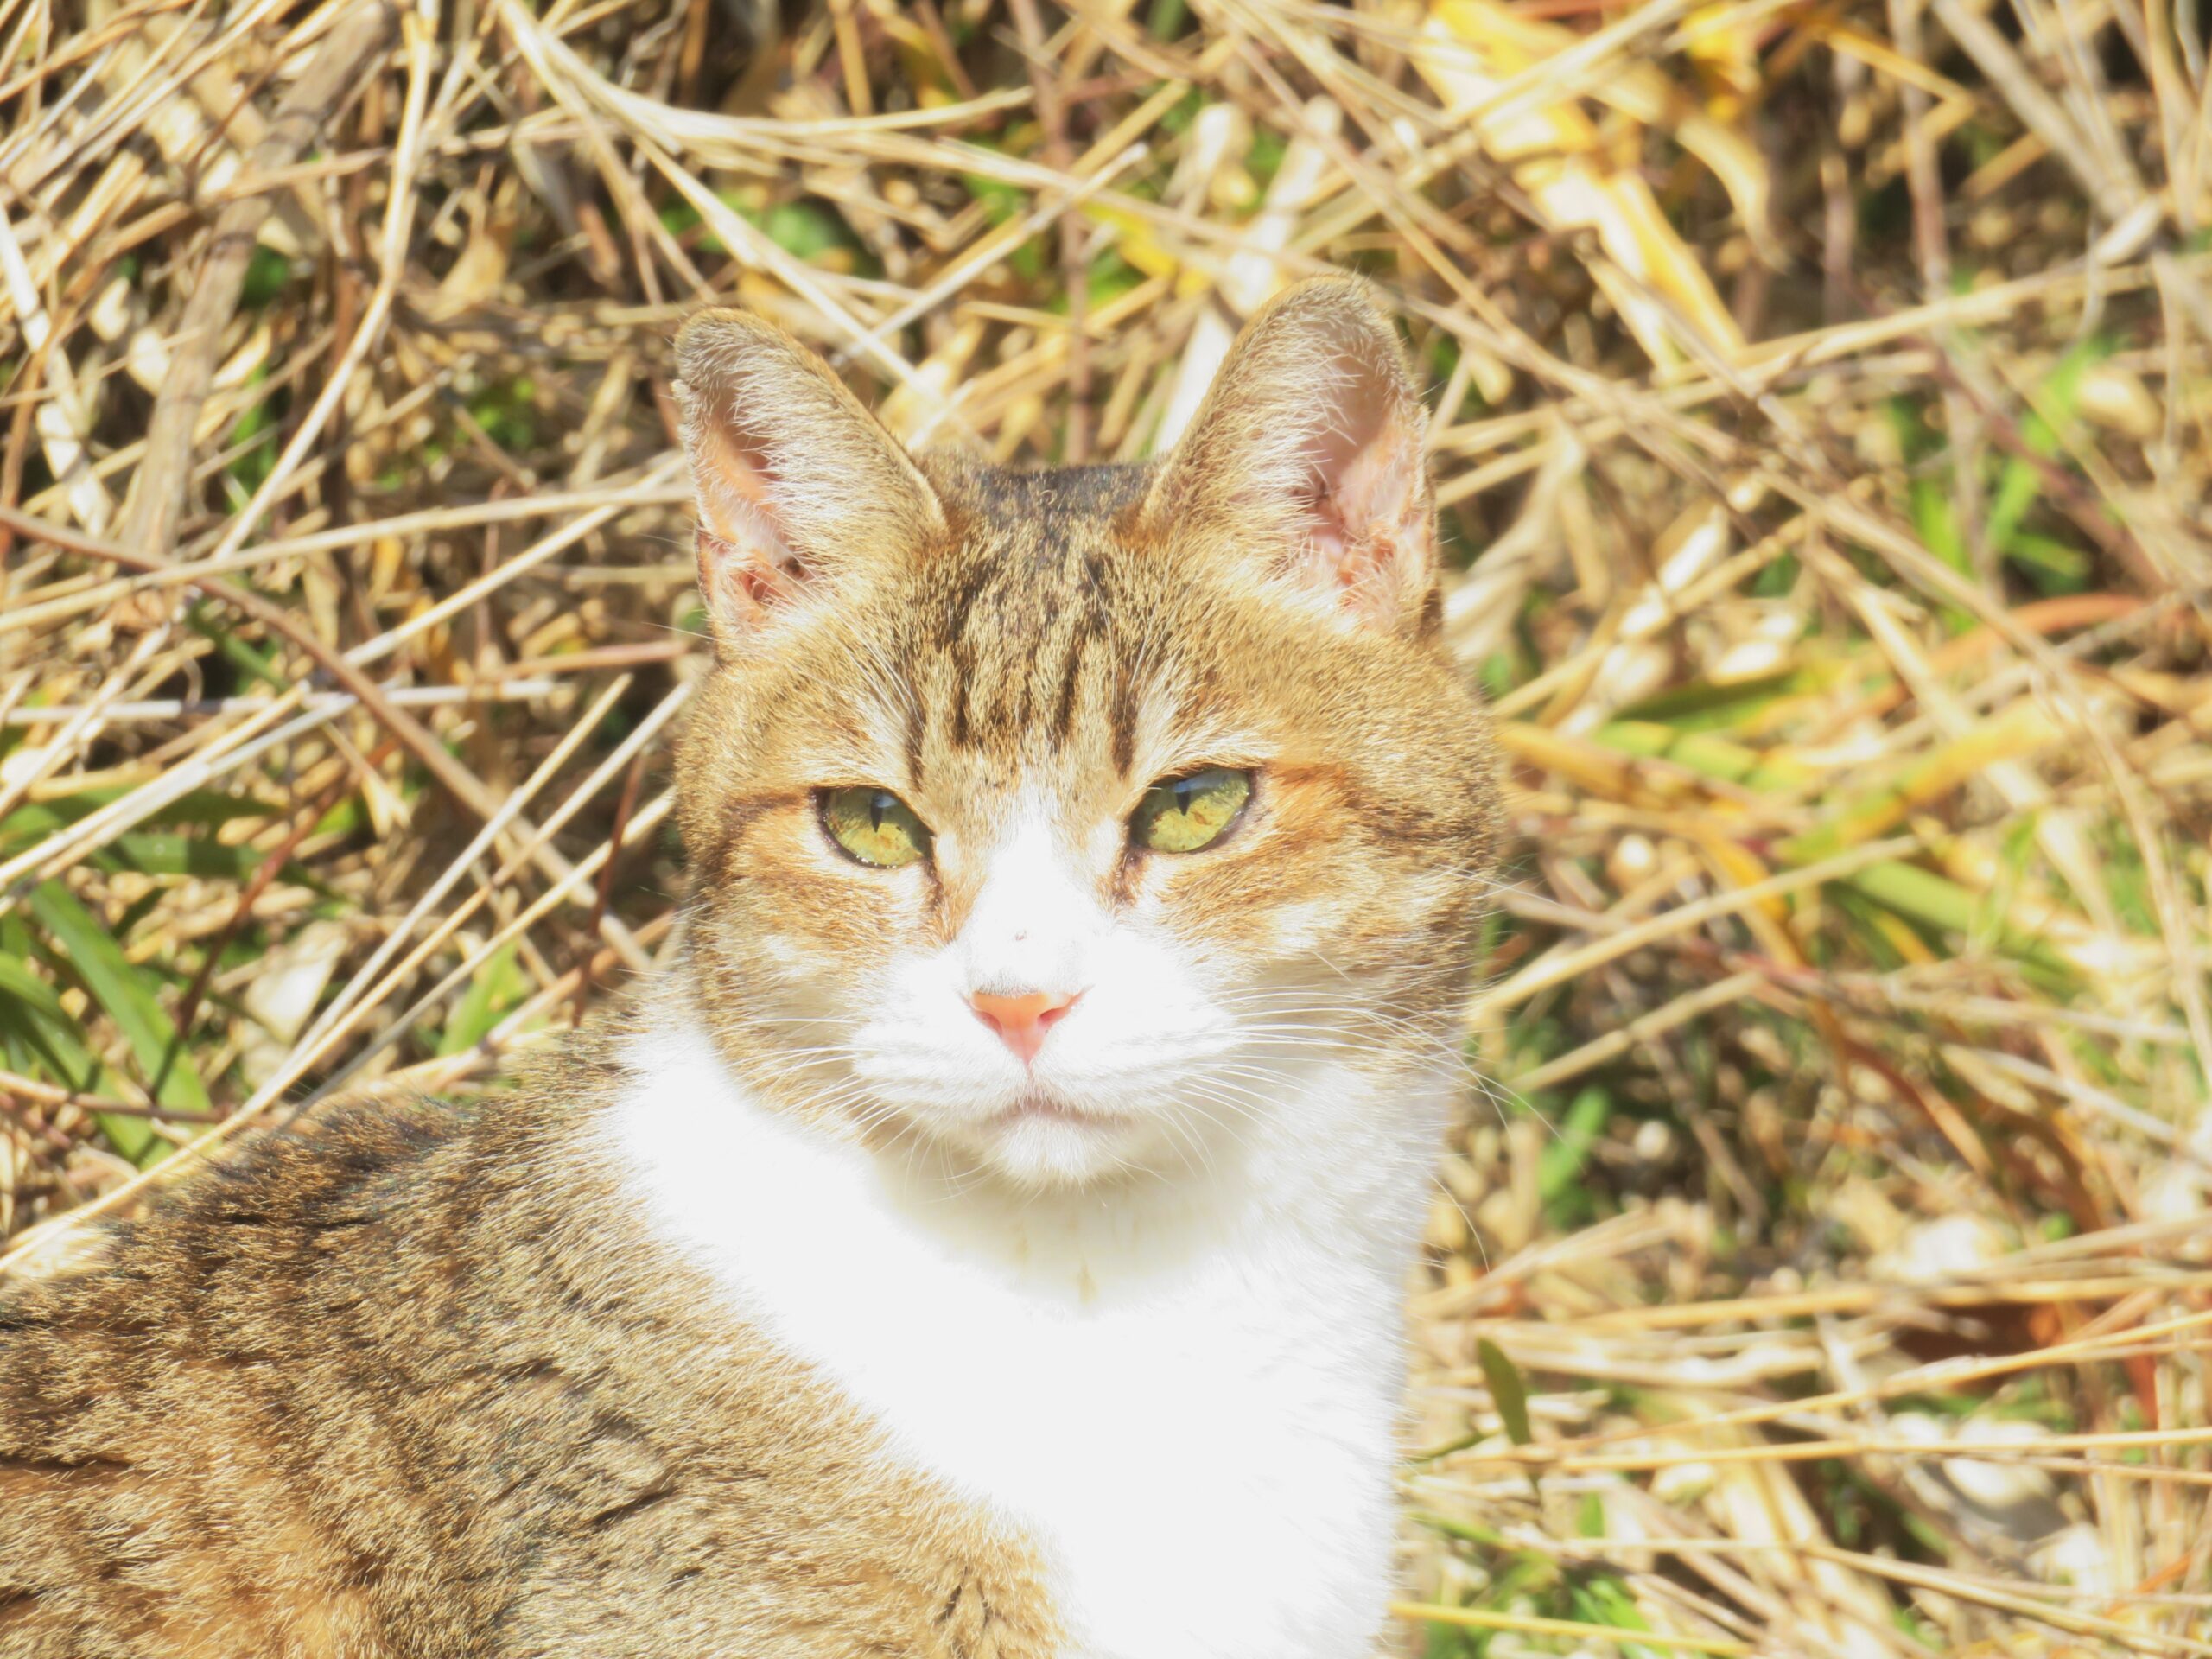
x=1181, y=815
x=873, y=826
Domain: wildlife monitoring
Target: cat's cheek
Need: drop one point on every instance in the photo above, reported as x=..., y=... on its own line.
x=916, y=1041
x=1271, y=901
x=1301, y=927
x=1153, y=1007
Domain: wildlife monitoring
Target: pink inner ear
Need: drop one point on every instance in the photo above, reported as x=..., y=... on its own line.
x=1366, y=481
x=746, y=566
x=729, y=469
x=1365, y=498
x=740, y=585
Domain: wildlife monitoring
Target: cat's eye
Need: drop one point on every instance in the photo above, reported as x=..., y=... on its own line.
x=873, y=826
x=1181, y=815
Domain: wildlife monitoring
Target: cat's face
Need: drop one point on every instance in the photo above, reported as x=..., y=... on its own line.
x=1058, y=821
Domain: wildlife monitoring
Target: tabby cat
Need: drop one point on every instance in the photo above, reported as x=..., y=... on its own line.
x=987, y=1240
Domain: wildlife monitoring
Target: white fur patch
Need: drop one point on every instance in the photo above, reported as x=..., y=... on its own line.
x=1146, y=1050
x=1184, y=1391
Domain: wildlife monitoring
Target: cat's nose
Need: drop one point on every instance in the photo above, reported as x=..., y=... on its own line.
x=1022, y=1021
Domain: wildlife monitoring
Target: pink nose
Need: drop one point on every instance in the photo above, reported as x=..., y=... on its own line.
x=1022, y=1021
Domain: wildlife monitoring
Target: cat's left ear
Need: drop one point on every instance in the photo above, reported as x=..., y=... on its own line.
x=1307, y=453
x=798, y=486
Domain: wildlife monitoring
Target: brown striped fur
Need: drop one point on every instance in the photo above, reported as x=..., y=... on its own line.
x=406, y=1380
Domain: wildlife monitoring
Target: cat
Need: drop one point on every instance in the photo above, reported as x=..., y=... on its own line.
x=986, y=1239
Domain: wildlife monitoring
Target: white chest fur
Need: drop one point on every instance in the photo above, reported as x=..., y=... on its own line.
x=1193, y=1415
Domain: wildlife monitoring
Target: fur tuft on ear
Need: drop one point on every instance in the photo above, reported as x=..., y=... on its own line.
x=796, y=481
x=1307, y=451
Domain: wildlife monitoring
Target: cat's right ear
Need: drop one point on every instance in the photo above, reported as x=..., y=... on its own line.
x=1307, y=458
x=795, y=482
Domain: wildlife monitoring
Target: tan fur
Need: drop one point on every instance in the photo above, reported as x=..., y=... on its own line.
x=1076, y=634
x=407, y=1381
x=412, y=1379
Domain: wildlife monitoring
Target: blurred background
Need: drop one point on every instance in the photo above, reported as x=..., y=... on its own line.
x=1823, y=435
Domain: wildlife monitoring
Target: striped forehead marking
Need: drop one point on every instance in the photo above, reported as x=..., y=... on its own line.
x=1027, y=614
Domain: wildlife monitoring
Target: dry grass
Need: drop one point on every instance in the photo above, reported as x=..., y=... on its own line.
x=1824, y=420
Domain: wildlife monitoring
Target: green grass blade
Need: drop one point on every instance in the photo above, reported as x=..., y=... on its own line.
x=125, y=991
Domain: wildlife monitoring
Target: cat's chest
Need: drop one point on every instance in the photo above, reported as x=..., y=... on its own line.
x=1204, y=1473
x=1200, y=1455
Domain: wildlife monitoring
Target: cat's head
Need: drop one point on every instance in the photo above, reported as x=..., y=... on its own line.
x=1062, y=822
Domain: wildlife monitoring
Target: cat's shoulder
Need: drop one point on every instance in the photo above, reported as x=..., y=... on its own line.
x=375, y=1162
